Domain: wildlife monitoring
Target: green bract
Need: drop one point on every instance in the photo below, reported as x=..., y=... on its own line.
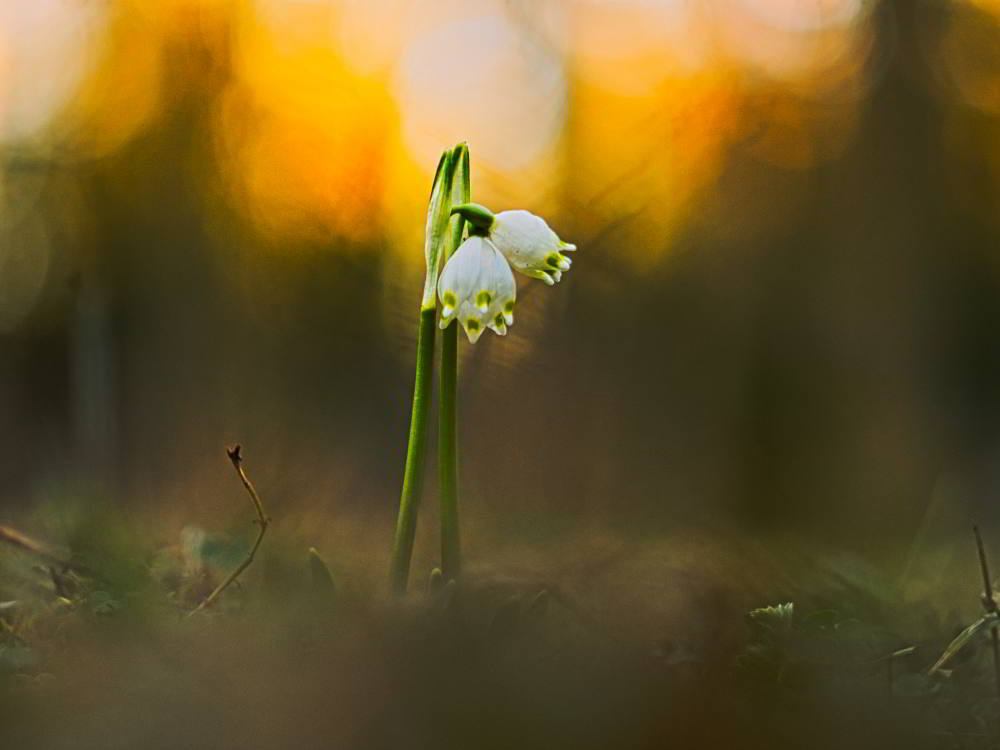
x=439, y=219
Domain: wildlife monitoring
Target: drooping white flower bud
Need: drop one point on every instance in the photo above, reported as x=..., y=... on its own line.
x=477, y=287
x=530, y=246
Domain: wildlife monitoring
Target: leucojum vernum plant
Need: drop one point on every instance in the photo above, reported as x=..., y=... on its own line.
x=469, y=252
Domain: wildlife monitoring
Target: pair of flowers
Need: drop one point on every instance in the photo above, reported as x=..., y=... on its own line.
x=477, y=286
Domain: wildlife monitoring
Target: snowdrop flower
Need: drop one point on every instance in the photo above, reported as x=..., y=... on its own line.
x=524, y=239
x=477, y=288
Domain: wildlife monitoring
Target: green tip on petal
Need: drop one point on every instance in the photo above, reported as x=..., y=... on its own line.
x=483, y=301
x=473, y=330
x=480, y=217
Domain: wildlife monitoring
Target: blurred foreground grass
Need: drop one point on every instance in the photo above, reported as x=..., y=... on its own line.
x=591, y=642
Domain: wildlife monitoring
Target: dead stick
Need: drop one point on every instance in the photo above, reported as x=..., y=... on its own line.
x=22, y=541
x=989, y=603
x=262, y=521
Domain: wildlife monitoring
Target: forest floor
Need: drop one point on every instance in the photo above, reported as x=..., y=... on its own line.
x=607, y=642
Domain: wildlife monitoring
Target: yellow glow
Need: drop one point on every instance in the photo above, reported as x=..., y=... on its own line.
x=793, y=40
x=302, y=136
x=992, y=6
x=802, y=15
x=122, y=91
x=328, y=115
x=631, y=48
x=651, y=159
x=971, y=59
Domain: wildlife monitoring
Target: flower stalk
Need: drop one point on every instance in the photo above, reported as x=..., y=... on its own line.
x=448, y=406
x=437, y=234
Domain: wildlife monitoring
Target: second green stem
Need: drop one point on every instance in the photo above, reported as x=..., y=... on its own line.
x=448, y=454
x=451, y=550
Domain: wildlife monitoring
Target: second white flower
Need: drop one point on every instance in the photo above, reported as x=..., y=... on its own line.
x=477, y=288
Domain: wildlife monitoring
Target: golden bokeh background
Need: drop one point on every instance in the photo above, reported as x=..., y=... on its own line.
x=783, y=311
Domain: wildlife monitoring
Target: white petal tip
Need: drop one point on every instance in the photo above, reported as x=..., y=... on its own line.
x=567, y=246
x=473, y=330
x=508, y=318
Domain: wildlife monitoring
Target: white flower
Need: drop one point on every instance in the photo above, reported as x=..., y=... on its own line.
x=530, y=246
x=477, y=287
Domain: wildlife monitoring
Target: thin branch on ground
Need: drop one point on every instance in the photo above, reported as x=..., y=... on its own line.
x=24, y=542
x=262, y=520
x=989, y=602
x=990, y=618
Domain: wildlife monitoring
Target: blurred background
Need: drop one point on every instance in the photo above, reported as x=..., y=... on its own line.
x=783, y=317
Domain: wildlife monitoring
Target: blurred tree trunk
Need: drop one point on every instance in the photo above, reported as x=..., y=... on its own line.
x=92, y=383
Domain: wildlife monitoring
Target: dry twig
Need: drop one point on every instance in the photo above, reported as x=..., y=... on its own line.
x=990, y=618
x=262, y=520
x=989, y=603
x=24, y=542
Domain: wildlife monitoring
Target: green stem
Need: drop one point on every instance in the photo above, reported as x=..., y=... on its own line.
x=436, y=240
x=413, y=474
x=451, y=553
x=448, y=454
